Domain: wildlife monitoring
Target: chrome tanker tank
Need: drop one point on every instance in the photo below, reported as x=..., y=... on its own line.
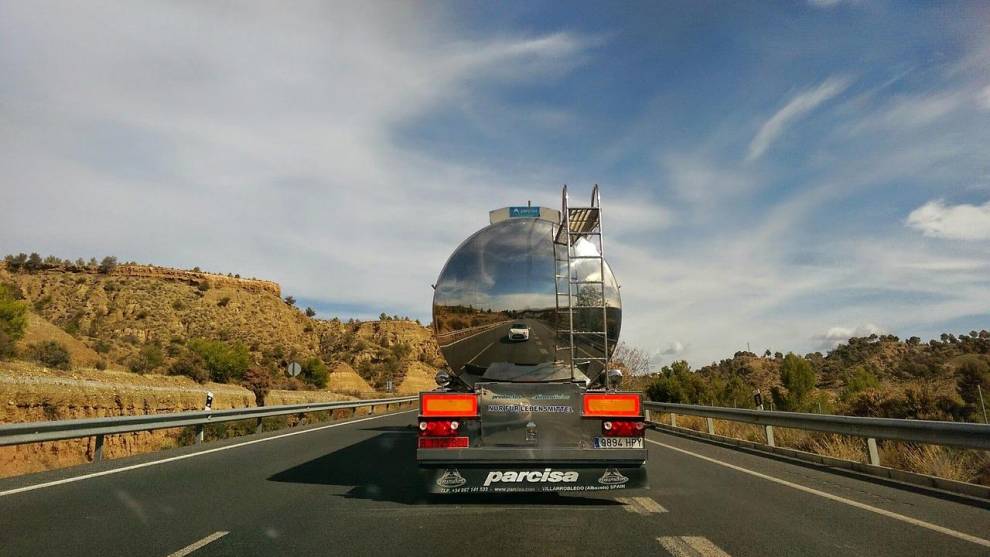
x=526, y=299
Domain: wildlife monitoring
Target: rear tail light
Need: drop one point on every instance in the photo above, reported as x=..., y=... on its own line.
x=448, y=405
x=623, y=428
x=443, y=442
x=612, y=405
x=438, y=428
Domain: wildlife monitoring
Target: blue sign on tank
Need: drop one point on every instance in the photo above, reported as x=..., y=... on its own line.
x=533, y=212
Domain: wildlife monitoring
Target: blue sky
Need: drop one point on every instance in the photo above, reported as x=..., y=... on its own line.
x=780, y=174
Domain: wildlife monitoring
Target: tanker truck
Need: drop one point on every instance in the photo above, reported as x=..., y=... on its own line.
x=526, y=313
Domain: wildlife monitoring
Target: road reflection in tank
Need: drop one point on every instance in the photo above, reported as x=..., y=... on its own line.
x=495, y=301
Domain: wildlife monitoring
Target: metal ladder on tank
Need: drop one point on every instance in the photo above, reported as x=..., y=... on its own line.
x=577, y=223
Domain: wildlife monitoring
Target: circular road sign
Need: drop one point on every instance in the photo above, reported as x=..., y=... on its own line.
x=294, y=369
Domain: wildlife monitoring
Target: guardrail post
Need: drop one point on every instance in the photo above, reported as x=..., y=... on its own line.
x=98, y=449
x=871, y=443
x=769, y=430
x=646, y=415
x=673, y=419
x=200, y=433
x=711, y=426
x=258, y=427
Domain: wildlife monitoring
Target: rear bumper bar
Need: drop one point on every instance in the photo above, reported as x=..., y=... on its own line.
x=531, y=456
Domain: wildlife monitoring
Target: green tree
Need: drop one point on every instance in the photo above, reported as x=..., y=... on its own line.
x=314, y=372
x=310, y=312
x=13, y=321
x=33, y=262
x=290, y=300
x=108, y=264
x=224, y=362
x=798, y=379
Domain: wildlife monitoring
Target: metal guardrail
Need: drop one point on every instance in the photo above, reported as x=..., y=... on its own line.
x=957, y=434
x=37, y=432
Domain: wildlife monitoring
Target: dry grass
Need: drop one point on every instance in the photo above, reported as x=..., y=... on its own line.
x=964, y=465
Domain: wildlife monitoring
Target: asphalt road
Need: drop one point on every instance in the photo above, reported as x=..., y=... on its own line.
x=350, y=489
x=494, y=346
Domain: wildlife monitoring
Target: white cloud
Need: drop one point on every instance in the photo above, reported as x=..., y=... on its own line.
x=984, y=98
x=256, y=139
x=801, y=104
x=837, y=335
x=956, y=222
x=672, y=348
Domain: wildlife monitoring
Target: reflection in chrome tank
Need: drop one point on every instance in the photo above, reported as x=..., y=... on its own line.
x=502, y=278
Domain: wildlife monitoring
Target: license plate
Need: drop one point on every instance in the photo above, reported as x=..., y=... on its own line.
x=618, y=442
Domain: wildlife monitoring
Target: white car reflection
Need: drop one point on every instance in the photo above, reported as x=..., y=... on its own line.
x=519, y=331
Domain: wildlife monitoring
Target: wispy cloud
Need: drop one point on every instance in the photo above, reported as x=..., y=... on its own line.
x=800, y=105
x=956, y=222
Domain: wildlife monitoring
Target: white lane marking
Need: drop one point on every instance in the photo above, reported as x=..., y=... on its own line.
x=482, y=352
x=185, y=456
x=194, y=546
x=691, y=546
x=650, y=505
x=640, y=505
x=488, y=330
x=890, y=514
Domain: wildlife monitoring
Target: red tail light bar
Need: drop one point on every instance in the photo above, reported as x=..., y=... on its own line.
x=613, y=405
x=448, y=405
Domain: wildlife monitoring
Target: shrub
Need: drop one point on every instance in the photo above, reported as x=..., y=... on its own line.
x=178, y=305
x=51, y=353
x=191, y=365
x=290, y=300
x=7, y=347
x=101, y=346
x=149, y=358
x=223, y=301
x=203, y=286
x=224, y=361
x=41, y=303
x=310, y=312
x=101, y=365
x=314, y=372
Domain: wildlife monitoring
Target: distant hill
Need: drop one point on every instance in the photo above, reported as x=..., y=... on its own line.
x=144, y=318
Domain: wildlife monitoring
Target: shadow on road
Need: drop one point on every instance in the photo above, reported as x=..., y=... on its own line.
x=383, y=468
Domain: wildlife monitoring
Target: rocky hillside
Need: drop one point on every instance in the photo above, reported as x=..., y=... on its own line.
x=149, y=319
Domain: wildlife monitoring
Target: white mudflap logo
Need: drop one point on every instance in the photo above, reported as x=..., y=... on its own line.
x=450, y=479
x=612, y=477
x=535, y=476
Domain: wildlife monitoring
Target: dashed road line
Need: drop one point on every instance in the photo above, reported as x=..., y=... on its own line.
x=640, y=505
x=482, y=352
x=691, y=546
x=196, y=545
x=883, y=512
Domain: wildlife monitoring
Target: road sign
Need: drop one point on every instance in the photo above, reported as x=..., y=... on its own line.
x=295, y=369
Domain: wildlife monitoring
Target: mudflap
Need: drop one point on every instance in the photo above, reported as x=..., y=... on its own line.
x=546, y=478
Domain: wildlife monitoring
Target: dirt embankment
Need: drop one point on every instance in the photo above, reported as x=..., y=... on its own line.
x=29, y=393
